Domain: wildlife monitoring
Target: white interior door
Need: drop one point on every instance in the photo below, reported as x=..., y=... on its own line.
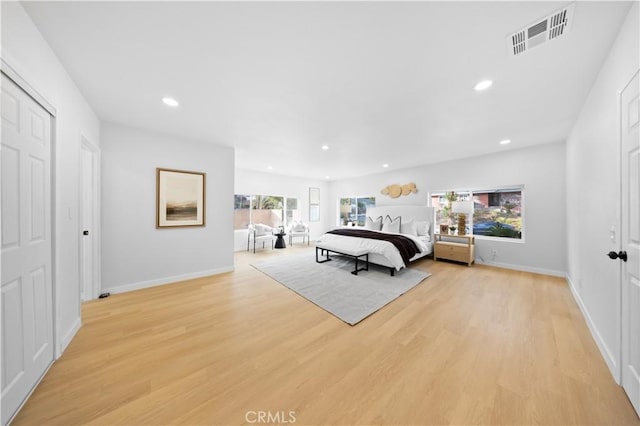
x=630, y=203
x=88, y=215
x=26, y=289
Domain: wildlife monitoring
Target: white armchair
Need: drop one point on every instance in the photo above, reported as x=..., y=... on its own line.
x=259, y=233
x=298, y=229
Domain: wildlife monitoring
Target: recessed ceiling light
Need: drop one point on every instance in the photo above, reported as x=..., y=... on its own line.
x=327, y=177
x=325, y=147
x=269, y=168
x=483, y=85
x=385, y=165
x=170, y=101
x=505, y=142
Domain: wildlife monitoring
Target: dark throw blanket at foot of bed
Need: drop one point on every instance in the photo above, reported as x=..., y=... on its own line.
x=406, y=246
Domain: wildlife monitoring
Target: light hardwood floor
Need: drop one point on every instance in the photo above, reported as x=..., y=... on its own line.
x=470, y=345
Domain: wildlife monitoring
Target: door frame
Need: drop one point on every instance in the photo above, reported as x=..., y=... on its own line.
x=94, y=290
x=22, y=83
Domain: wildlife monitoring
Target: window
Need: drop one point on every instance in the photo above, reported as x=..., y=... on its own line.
x=441, y=202
x=496, y=212
x=267, y=209
x=241, y=212
x=292, y=210
x=354, y=209
x=270, y=210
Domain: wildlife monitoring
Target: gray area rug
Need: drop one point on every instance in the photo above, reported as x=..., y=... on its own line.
x=332, y=287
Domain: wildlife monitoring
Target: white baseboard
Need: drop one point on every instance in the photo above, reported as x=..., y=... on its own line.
x=608, y=356
x=532, y=269
x=68, y=337
x=166, y=280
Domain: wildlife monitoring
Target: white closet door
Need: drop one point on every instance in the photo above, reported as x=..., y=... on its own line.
x=630, y=207
x=27, y=304
x=87, y=187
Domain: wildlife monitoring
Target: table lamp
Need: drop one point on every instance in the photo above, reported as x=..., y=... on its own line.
x=462, y=209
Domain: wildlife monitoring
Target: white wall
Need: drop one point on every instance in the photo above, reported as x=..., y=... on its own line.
x=24, y=49
x=540, y=169
x=134, y=253
x=593, y=194
x=250, y=182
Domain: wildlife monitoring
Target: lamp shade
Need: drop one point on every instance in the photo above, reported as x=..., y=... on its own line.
x=345, y=208
x=465, y=207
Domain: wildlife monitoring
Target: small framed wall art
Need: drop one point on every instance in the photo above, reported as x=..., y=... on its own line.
x=180, y=198
x=314, y=204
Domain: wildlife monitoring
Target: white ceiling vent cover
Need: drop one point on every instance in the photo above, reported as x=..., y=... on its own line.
x=553, y=26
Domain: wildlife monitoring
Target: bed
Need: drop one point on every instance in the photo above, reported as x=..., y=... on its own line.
x=382, y=252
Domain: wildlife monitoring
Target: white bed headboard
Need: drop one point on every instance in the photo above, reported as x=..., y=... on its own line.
x=419, y=213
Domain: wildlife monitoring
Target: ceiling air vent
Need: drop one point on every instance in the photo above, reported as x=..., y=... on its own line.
x=550, y=28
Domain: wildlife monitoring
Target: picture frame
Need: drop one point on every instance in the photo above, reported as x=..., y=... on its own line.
x=314, y=213
x=180, y=198
x=314, y=204
x=314, y=196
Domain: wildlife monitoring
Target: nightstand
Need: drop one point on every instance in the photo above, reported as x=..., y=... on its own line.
x=460, y=248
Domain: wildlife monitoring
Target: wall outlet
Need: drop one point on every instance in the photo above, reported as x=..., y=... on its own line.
x=494, y=253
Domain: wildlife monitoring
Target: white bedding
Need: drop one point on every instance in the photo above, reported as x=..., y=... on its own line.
x=382, y=248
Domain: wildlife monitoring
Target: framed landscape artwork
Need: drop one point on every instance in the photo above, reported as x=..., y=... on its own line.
x=180, y=199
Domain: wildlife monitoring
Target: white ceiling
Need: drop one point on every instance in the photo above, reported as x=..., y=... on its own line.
x=379, y=82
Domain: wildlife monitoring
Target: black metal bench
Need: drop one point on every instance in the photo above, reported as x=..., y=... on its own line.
x=355, y=254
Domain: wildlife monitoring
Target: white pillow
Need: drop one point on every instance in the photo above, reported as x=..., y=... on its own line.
x=391, y=225
x=423, y=228
x=409, y=227
x=374, y=225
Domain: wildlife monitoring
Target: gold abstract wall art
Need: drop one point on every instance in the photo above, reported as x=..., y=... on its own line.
x=395, y=190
